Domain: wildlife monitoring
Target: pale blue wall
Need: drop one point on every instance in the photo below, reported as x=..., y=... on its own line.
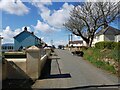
x=25, y=39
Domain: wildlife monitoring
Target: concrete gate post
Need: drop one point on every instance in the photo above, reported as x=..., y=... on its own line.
x=33, y=62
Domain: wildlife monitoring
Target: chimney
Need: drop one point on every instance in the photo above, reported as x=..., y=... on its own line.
x=32, y=33
x=25, y=29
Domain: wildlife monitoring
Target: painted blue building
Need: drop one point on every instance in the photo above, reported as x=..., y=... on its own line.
x=26, y=39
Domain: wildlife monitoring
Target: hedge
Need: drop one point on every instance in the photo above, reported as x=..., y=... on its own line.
x=108, y=45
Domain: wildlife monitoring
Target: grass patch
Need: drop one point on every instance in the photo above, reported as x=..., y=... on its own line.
x=95, y=56
x=115, y=54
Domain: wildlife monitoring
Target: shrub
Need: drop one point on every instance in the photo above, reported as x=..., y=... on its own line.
x=92, y=54
x=108, y=45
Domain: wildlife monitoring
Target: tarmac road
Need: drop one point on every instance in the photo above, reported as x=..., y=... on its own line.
x=67, y=71
x=82, y=72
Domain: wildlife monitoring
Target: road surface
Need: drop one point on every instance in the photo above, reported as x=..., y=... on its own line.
x=73, y=71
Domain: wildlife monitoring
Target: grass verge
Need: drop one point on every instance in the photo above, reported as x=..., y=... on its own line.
x=95, y=56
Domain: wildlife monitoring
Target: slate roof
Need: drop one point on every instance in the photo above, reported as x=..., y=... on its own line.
x=32, y=33
x=27, y=32
x=109, y=31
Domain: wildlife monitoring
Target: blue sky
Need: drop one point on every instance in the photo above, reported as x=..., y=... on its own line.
x=44, y=19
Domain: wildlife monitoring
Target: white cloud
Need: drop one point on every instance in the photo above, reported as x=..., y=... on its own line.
x=8, y=34
x=13, y=7
x=40, y=3
x=53, y=18
x=43, y=27
x=58, y=17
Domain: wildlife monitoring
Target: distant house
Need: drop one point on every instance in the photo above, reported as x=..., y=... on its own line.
x=26, y=39
x=107, y=34
x=77, y=43
x=7, y=47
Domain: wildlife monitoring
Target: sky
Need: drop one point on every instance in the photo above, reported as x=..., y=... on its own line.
x=45, y=19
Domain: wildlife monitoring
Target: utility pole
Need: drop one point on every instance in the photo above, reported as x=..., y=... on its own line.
x=71, y=37
x=51, y=42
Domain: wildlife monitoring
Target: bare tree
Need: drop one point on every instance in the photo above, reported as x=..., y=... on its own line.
x=87, y=18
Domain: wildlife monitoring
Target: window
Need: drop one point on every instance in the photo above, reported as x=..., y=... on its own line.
x=12, y=47
x=2, y=47
x=5, y=47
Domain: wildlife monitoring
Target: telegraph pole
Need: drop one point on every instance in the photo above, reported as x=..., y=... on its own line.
x=71, y=37
x=51, y=42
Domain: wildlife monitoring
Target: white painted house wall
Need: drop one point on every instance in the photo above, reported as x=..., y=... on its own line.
x=99, y=38
x=84, y=43
x=108, y=34
x=94, y=41
x=117, y=38
x=76, y=45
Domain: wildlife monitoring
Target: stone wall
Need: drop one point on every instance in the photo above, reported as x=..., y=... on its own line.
x=111, y=62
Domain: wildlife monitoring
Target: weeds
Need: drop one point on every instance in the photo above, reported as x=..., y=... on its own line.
x=95, y=56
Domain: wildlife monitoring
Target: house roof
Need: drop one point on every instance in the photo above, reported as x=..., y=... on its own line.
x=76, y=42
x=31, y=33
x=26, y=32
x=109, y=31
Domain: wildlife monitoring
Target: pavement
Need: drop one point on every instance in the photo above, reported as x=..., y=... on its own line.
x=66, y=70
